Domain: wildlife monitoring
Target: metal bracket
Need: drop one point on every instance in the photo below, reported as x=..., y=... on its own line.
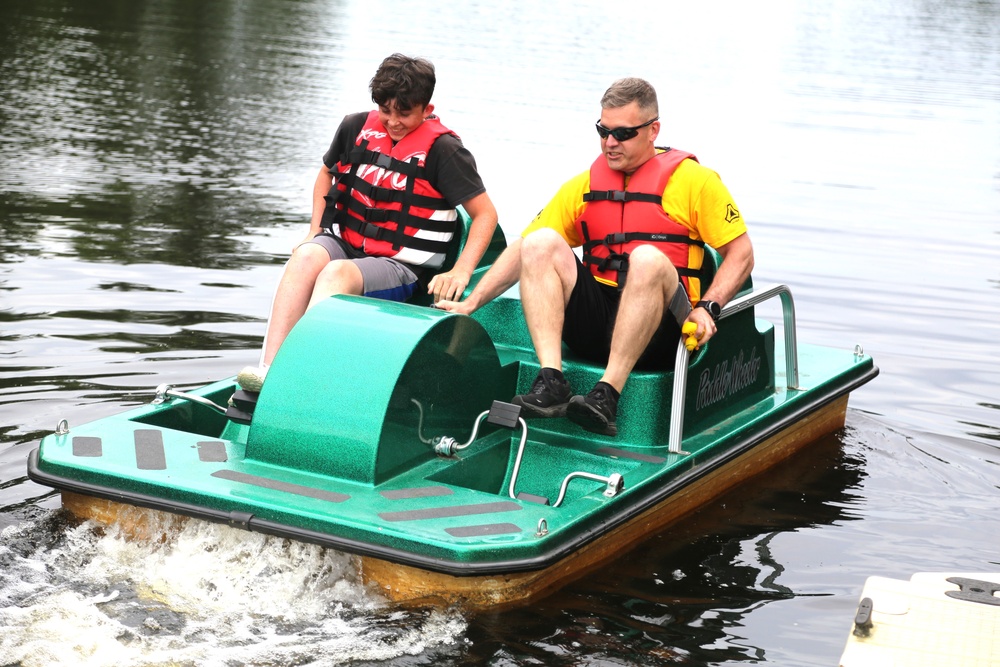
x=615, y=484
x=502, y=414
x=165, y=390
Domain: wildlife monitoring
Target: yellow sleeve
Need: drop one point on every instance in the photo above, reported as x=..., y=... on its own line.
x=697, y=198
x=563, y=210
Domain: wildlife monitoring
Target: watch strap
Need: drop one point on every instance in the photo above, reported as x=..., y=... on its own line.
x=711, y=307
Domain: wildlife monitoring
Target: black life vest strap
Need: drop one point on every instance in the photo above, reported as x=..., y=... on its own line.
x=628, y=237
x=343, y=201
x=685, y=272
x=622, y=196
x=400, y=236
x=614, y=262
x=379, y=233
x=361, y=155
x=330, y=213
x=389, y=195
x=618, y=261
x=399, y=217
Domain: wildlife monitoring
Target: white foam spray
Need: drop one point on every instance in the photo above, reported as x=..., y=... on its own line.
x=205, y=595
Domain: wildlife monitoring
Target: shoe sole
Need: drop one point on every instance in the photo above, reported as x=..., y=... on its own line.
x=536, y=411
x=587, y=416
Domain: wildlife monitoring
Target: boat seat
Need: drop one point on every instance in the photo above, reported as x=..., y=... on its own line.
x=643, y=412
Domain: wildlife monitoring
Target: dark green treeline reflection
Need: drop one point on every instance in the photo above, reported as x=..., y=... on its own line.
x=149, y=131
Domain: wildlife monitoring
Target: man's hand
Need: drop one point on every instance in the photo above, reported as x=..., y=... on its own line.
x=460, y=307
x=706, y=328
x=448, y=286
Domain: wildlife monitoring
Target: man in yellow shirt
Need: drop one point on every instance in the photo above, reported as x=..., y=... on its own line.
x=641, y=215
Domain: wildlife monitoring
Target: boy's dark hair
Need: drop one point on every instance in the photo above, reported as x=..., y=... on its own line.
x=409, y=82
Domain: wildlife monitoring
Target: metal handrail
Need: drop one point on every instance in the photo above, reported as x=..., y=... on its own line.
x=735, y=306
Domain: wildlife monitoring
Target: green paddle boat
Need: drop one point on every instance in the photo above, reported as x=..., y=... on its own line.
x=384, y=430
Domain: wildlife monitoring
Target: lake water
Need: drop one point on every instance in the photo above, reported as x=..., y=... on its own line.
x=156, y=168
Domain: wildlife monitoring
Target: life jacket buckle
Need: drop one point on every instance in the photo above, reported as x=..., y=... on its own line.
x=383, y=160
x=377, y=214
x=371, y=231
x=617, y=195
x=614, y=262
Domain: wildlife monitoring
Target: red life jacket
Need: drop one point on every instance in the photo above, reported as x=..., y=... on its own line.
x=383, y=201
x=616, y=219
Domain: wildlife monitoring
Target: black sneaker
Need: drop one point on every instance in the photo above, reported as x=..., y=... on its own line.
x=597, y=410
x=548, y=397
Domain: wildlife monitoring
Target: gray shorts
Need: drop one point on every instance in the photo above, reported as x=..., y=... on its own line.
x=384, y=277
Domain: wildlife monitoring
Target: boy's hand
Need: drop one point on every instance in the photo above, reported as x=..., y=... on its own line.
x=448, y=286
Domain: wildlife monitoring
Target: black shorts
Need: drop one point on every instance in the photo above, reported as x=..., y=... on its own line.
x=590, y=322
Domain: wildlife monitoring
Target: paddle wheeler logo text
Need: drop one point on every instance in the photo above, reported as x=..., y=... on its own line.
x=727, y=378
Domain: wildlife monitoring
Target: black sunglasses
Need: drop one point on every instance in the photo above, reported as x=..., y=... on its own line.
x=622, y=133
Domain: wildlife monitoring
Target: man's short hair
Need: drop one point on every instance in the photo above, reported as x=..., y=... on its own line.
x=406, y=81
x=631, y=89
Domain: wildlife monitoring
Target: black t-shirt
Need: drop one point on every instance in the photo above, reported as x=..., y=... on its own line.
x=450, y=167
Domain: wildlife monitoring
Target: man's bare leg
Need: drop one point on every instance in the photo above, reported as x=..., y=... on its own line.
x=548, y=275
x=651, y=283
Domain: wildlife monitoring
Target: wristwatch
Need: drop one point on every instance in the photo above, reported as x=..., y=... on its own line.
x=712, y=307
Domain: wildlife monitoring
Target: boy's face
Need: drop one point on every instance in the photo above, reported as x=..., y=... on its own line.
x=400, y=122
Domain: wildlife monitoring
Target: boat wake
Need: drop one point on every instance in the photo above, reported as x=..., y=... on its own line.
x=201, y=594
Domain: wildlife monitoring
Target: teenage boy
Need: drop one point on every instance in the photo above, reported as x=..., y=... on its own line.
x=384, y=205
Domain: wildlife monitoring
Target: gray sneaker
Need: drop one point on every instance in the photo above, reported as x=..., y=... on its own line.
x=548, y=397
x=251, y=378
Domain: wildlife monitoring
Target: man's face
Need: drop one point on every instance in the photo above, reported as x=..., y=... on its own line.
x=628, y=155
x=400, y=122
